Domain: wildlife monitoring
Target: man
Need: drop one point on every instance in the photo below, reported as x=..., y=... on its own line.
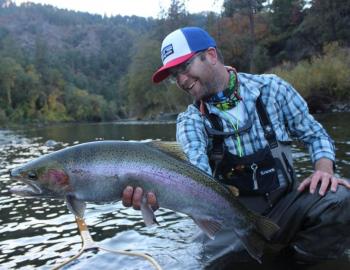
x=238, y=130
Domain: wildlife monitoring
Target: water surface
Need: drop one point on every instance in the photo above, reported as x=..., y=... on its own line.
x=41, y=233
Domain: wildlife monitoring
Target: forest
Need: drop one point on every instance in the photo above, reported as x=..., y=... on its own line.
x=64, y=66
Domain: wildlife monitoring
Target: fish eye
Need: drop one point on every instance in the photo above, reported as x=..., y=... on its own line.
x=32, y=175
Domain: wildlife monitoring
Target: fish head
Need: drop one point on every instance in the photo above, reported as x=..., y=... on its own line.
x=42, y=178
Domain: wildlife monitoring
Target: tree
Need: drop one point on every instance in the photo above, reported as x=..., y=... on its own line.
x=41, y=55
x=283, y=43
x=322, y=22
x=329, y=21
x=6, y=3
x=285, y=15
x=139, y=85
x=27, y=91
x=247, y=8
x=9, y=71
x=176, y=16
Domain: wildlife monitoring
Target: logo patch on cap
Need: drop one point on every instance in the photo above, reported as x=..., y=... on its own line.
x=167, y=50
x=179, y=46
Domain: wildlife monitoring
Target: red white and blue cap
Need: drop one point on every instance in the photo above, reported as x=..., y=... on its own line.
x=179, y=46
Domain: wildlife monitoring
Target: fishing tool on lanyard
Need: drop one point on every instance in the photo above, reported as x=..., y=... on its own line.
x=90, y=244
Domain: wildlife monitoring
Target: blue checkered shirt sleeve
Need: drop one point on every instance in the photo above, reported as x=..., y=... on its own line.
x=191, y=134
x=300, y=123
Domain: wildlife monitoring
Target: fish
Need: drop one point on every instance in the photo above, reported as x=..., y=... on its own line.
x=99, y=171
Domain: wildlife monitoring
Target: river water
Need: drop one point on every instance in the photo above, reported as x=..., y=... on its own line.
x=40, y=233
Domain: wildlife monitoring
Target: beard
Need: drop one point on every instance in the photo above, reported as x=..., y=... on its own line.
x=210, y=88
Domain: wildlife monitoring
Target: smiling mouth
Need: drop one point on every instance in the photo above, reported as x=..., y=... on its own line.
x=191, y=85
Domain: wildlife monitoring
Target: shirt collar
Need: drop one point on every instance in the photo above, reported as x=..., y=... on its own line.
x=252, y=84
x=250, y=89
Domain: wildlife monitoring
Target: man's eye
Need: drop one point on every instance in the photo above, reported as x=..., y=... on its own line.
x=185, y=66
x=32, y=175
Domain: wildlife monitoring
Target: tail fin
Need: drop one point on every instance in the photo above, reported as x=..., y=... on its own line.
x=256, y=238
x=266, y=227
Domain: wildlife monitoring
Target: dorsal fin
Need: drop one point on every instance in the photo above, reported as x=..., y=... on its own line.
x=172, y=148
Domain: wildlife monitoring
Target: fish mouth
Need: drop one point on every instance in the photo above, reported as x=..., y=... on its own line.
x=30, y=189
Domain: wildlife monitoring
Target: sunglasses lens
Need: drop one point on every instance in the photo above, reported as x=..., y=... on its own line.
x=172, y=79
x=182, y=69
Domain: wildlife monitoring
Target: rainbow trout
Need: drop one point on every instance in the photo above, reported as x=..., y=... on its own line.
x=98, y=172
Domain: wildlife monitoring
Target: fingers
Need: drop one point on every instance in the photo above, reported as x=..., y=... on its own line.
x=152, y=201
x=137, y=198
x=344, y=182
x=334, y=184
x=304, y=184
x=133, y=197
x=318, y=177
x=338, y=181
x=127, y=196
x=324, y=180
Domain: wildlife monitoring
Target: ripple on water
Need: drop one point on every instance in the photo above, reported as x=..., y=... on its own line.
x=41, y=233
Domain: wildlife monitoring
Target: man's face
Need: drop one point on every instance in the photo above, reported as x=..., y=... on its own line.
x=195, y=76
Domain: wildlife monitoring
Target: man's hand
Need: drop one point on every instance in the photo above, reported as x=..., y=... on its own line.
x=324, y=176
x=133, y=197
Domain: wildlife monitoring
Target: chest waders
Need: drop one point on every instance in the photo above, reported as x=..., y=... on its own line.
x=263, y=177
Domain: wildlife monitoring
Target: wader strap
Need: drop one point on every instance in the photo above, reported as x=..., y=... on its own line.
x=217, y=152
x=218, y=141
x=270, y=135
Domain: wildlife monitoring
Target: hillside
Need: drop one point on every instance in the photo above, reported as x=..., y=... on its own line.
x=58, y=65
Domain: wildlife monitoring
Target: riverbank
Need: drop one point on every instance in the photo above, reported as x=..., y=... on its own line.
x=317, y=105
x=323, y=104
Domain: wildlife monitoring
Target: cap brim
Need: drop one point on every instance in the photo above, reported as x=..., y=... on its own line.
x=163, y=72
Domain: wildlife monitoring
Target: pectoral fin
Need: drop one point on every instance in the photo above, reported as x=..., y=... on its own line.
x=209, y=226
x=147, y=213
x=234, y=190
x=77, y=207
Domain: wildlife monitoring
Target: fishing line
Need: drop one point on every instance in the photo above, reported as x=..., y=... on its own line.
x=89, y=244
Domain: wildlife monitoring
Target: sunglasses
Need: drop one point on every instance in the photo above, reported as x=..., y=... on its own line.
x=182, y=68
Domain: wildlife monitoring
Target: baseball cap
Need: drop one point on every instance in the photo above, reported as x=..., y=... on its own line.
x=179, y=46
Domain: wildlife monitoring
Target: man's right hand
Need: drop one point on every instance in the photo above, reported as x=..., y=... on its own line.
x=133, y=197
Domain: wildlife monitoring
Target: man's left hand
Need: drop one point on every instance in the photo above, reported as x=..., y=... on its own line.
x=324, y=176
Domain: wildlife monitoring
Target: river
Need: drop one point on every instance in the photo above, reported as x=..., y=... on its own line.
x=39, y=234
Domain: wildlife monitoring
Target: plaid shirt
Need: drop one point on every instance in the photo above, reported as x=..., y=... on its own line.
x=288, y=113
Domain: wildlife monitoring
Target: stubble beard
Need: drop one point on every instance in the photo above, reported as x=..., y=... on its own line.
x=211, y=87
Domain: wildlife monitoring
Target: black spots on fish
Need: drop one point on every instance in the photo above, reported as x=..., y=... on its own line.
x=78, y=171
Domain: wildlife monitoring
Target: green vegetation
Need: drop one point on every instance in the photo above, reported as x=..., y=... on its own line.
x=58, y=65
x=323, y=75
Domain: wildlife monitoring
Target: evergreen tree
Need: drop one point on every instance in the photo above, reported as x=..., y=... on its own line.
x=247, y=8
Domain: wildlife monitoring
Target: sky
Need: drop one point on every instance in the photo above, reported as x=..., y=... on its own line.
x=143, y=8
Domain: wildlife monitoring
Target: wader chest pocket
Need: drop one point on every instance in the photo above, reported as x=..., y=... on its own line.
x=253, y=174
